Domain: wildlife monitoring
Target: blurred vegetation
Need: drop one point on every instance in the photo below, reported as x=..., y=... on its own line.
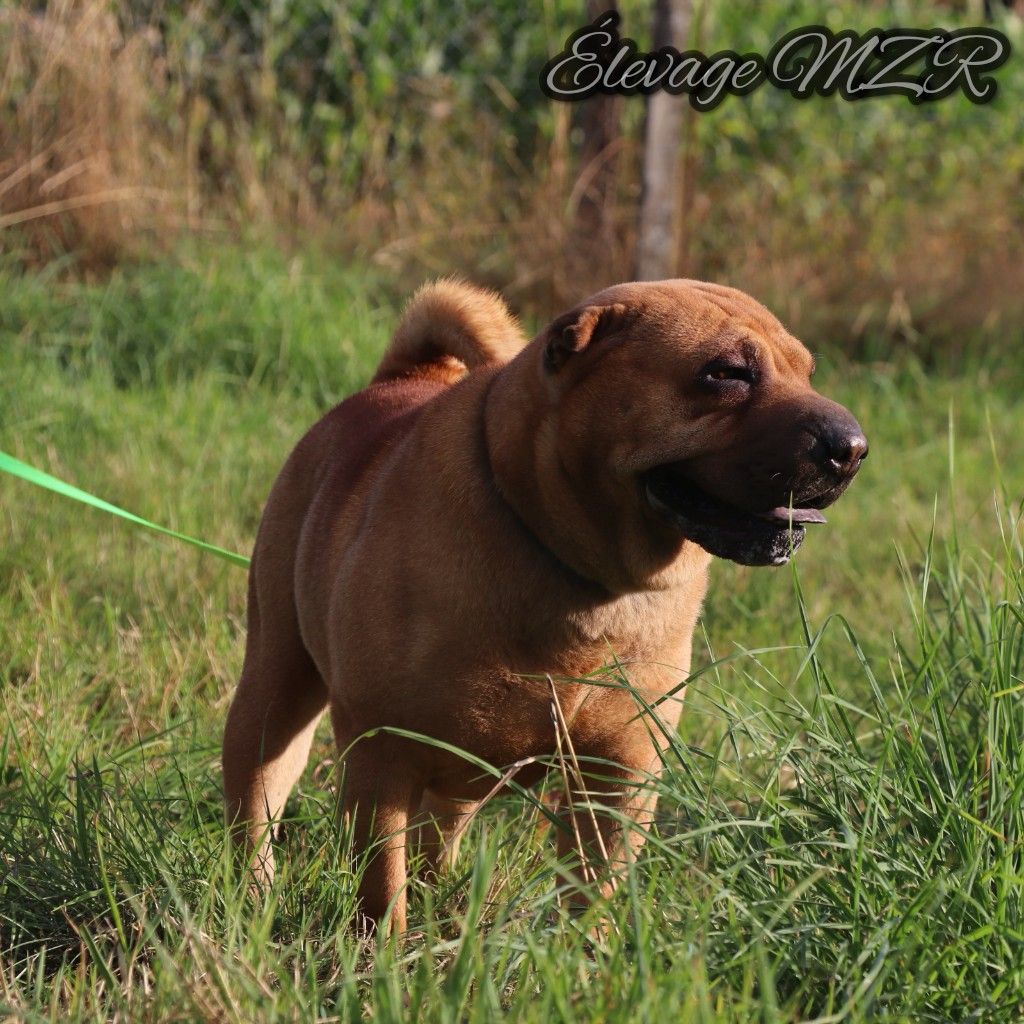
x=417, y=135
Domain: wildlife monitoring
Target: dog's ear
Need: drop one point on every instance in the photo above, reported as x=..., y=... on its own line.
x=573, y=332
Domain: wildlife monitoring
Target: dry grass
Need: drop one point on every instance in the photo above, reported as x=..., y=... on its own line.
x=938, y=277
x=117, y=139
x=83, y=165
x=111, y=149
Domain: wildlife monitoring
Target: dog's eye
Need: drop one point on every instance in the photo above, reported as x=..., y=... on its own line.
x=721, y=372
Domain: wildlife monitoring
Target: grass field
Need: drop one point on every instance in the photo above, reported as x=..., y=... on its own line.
x=840, y=825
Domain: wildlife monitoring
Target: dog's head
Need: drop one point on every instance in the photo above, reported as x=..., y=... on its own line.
x=686, y=410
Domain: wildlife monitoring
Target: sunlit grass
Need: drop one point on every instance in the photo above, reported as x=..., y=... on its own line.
x=839, y=830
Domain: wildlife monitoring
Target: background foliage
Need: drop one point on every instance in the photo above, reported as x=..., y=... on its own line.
x=209, y=213
x=416, y=136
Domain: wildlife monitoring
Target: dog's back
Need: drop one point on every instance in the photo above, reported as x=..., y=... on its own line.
x=447, y=328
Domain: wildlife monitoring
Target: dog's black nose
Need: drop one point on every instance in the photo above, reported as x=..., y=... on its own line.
x=843, y=446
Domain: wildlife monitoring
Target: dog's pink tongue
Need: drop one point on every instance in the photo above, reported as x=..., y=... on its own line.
x=794, y=515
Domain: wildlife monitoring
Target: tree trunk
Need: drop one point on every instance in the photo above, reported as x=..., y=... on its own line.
x=657, y=237
x=599, y=119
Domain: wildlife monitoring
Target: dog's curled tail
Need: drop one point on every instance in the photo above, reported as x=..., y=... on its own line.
x=449, y=319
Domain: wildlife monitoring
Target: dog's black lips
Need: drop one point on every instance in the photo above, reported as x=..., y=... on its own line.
x=766, y=538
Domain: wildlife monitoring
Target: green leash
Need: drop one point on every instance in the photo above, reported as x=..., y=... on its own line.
x=22, y=470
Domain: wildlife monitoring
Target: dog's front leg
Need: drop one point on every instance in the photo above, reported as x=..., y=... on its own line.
x=604, y=819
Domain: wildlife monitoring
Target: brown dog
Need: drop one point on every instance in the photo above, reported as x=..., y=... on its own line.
x=442, y=541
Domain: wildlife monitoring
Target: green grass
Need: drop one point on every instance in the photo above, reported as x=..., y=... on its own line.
x=840, y=825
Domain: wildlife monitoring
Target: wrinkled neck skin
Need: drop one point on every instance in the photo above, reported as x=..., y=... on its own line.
x=597, y=527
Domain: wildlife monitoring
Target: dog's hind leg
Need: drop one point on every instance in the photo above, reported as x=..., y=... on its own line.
x=438, y=831
x=270, y=727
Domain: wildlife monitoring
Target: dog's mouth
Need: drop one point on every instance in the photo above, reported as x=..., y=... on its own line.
x=768, y=537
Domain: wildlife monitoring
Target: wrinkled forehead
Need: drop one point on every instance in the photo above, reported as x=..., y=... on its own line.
x=710, y=317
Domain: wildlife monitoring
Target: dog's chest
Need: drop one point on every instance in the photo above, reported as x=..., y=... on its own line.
x=635, y=626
